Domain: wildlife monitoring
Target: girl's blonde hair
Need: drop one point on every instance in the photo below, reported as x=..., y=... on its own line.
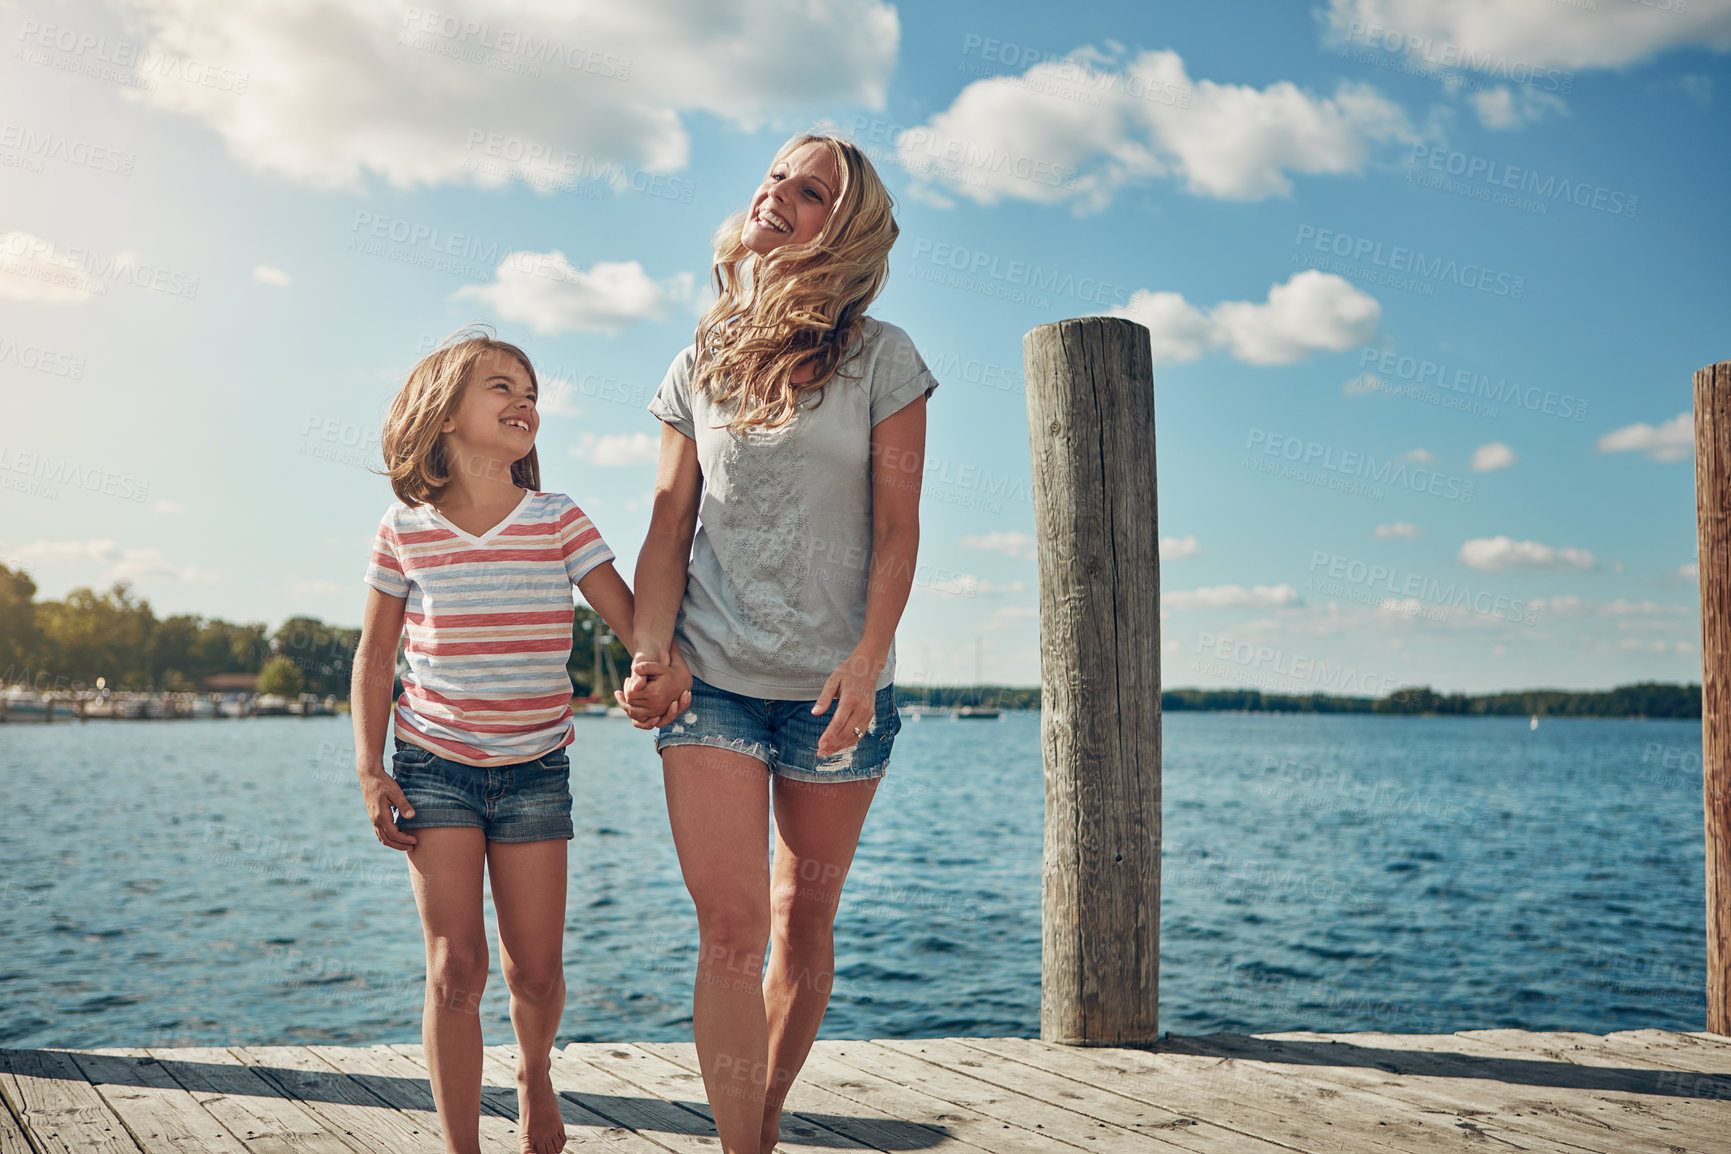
x=413, y=447
x=798, y=305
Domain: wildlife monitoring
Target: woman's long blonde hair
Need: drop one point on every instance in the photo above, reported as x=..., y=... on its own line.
x=413, y=448
x=798, y=305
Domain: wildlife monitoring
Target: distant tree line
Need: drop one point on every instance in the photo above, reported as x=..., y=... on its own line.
x=59, y=645
x=1644, y=699
x=62, y=645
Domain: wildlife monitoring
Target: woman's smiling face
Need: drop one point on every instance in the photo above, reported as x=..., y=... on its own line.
x=793, y=201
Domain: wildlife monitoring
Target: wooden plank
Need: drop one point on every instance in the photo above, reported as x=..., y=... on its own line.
x=57, y=1108
x=1481, y=1101
x=1556, y=1043
x=345, y=1106
x=1687, y=1098
x=12, y=1137
x=403, y=1084
x=252, y=1108
x=684, y=1127
x=659, y=1076
x=1090, y=400
x=879, y=1114
x=1616, y=1094
x=499, y=1096
x=1676, y=1049
x=1708, y=1036
x=1080, y=1115
x=1210, y=1089
x=161, y=1116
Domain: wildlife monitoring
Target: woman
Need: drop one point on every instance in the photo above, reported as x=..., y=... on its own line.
x=792, y=447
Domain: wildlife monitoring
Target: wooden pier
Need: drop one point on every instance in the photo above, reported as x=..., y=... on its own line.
x=1644, y=1091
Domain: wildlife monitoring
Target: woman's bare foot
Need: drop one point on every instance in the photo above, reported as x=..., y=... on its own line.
x=540, y=1130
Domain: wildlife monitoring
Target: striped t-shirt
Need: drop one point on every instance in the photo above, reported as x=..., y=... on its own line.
x=489, y=624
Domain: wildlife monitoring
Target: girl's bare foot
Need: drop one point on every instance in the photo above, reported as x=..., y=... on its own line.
x=771, y=1134
x=540, y=1130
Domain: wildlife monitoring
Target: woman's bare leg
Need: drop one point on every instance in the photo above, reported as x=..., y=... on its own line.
x=817, y=827
x=445, y=867
x=529, y=897
x=718, y=806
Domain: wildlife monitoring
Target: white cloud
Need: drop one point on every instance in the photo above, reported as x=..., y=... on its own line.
x=1509, y=38
x=1690, y=570
x=1230, y=597
x=168, y=507
x=117, y=563
x=1010, y=616
x=1177, y=330
x=1497, y=553
x=1697, y=87
x=1398, y=530
x=1172, y=548
x=275, y=277
x=549, y=294
x=1496, y=455
x=1078, y=130
x=1418, y=456
x=1009, y=542
x=509, y=88
x=617, y=450
x=1571, y=605
x=299, y=587
x=1312, y=312
x=1672, y=441
x=968, y=585
x=1503, y=108
x=32, y=269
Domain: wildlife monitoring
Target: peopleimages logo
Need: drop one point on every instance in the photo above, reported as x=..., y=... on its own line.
x=1447, y=54
x=1347, y=469
x=1486, y=177
x=978, y=264
x=1400, y=259
x=1502, y=391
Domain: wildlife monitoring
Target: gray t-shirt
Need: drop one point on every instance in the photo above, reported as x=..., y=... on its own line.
x=775, y=596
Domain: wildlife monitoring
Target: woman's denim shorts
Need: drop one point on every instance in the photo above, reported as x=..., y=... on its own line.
x=527, y=801
x=783, y=734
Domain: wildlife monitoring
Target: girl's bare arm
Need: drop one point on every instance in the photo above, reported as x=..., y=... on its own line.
x=375, y=668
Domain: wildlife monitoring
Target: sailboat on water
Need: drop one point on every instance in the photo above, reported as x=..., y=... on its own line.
x=601, y=705
x=976, y=712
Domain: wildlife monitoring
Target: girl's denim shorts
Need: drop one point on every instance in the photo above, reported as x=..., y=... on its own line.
x=527, y=801
x=783, y=734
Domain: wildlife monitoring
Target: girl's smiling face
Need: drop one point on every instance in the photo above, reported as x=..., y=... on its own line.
x=793, y=201
x=495, y=416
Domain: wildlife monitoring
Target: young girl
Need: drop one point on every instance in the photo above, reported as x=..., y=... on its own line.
x=796, y=426
x=479, y=564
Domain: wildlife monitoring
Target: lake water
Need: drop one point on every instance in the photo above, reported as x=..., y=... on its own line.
x=216, y=882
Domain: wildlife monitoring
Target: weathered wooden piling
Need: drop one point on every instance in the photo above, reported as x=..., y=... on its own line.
x=1091, y=437
x=1713, y=519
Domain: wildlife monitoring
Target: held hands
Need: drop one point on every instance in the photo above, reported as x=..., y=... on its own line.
x=380, y=792
x=658, y=688
x=853, y=686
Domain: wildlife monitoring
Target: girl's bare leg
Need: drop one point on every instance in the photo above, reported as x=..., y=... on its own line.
x=529, y=897
x=445, y=867
x=718, y=806
x=817, y=828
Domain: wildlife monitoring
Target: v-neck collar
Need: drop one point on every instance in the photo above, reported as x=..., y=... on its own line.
x=490, y=533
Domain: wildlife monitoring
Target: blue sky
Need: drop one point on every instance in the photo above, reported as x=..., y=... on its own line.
x=1426, y=284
